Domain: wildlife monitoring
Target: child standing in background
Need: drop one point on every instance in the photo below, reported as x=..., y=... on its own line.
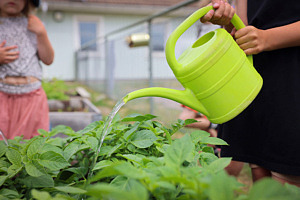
x=24, y=41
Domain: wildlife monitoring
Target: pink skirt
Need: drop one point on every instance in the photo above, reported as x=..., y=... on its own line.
x=23, y=114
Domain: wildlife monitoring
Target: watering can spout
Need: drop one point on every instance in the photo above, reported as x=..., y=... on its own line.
x=185, y=97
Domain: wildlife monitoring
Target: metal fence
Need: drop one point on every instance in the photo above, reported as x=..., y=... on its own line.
x=119, y=69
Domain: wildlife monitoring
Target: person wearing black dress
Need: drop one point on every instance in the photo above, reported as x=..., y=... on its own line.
x=267, y=133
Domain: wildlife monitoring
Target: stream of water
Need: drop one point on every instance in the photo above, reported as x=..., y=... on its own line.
x=4, y=138
x=105, y=129
x=108, y=122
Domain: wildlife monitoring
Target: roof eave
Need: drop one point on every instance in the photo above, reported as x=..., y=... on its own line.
x=115, y=9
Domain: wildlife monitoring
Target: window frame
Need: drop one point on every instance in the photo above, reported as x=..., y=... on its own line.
x=167, y=28
x=99, y=28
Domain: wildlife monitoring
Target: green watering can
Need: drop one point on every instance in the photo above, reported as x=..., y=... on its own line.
x=219, y=79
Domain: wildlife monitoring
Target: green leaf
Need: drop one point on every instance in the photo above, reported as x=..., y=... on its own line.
x=121, y=181
x=105, y=191
x=102, y=164
x=83, y=147
x=4, y=164
x=11, y=194
x=62, y=129
x=92, y=142
x=40, y=195
x=14, y=170
x=130, y=171
x=213, y=141
x=199, y=135
x=268, y=188
x=163, y=148
x=2, y=180
x=138, y=117
x=59, y=142
x=104, y=173
x=168, y=171
x=134, y=158
x=38, y=182
x=3, y=148
x=105, y=150
x=42, y=132
x=178, y=125
x=130, y=185
x=114, y=149
x=207, y=158
x=27, y=144
x=78, y=170
x=120, y=168
x=35, y=147
x=34, y=169
x=218, y=164
x=165, y=185
x=67, y=176
x=71, y=149
x=189, y=121
x=50, y=147
x=53, y=161
x=14, y=156
x=143, y=139
x=62, y=197
x=223, y=187
x=91, y=127
x=69, y=189
x=179, y=151
x=208, y=149
x=292, y=189
x=128, y=134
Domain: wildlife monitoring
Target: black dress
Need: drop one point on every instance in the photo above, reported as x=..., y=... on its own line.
x=267, y=133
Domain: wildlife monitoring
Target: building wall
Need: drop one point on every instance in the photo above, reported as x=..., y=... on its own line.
x=62, y=37
x=129, y=63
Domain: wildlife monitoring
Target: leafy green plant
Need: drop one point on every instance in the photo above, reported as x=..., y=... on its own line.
x=56, y=89
x=138, y=160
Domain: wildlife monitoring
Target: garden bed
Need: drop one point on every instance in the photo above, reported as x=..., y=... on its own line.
x=138, y=160
x=77, y=112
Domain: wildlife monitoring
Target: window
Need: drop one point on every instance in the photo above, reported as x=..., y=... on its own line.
x=158, y=36
x=88, y=33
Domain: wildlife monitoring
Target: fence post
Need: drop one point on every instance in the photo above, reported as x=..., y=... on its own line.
x=150, y=65
x=76, y=65
x=109, y=67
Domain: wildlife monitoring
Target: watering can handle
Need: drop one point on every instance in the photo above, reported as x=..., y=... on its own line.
x=170, y=46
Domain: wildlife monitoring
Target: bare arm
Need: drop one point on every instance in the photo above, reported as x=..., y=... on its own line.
x=253, y=40
x=241, y=10
x=45, y=49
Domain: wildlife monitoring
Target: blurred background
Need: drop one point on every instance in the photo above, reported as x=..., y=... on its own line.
x=117, y=46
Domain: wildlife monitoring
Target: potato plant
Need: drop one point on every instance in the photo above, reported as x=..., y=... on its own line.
x=138, y=160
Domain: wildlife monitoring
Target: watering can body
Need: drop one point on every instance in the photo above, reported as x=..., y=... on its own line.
x=219, y=79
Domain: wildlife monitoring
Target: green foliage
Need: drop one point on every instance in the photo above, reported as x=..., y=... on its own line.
x=56, y=89
x=137, y=161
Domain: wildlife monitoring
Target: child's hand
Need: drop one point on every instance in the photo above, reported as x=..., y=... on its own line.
x=35, y=25
x=251, y=40
x=6, y=55
x=222, y=14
